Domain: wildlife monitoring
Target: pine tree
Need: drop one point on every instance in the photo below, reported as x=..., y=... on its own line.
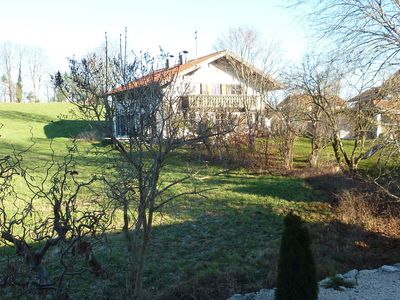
x=296, y=268
x=58, y=80
x=19, y=86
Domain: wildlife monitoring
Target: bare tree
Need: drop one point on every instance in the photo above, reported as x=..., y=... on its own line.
x=386, y=175
x=315, y=87
x=248, y=44
x=252, y=59
x=53, y=214
x=157, y=125
x=146, y=106
x=36, y=61
x=365, y=30
x=288, y=123
x=8, y=59
x=84, y=88
x=384, y=105
x=321, y=81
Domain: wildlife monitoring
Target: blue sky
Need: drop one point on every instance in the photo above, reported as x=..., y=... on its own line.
x=64, y=28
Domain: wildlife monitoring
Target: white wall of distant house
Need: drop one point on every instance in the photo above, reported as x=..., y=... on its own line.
x=210, y=74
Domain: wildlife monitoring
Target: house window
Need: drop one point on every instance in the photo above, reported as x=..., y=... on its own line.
x=216, y=89
x=121, y=125
x=203, y=89
x=235, y=89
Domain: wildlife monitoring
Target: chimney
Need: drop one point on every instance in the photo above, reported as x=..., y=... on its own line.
x=167, y=61
x=181, y=56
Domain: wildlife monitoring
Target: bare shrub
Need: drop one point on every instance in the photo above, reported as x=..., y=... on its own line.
x=368, y=210
x=52, y=226
x=232, y=151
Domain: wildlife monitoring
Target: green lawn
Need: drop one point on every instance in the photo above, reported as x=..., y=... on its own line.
x=206, y=247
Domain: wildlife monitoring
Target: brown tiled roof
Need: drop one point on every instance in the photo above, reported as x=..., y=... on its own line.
x=368, y=95
x=393, y=105
x=307, y=100
x=166, y=75
x=373, y=98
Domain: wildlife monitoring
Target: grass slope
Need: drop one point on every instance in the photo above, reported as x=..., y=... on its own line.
x=207, y=248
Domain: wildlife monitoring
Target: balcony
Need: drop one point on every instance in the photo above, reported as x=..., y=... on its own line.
x=232, y=102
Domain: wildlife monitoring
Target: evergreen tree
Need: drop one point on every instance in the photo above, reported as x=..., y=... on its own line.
x=58, y=79
x=19, y=86
x=31, y=97
x=296, y=268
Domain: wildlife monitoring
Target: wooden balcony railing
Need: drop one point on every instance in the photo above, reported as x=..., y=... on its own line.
x=219, y=101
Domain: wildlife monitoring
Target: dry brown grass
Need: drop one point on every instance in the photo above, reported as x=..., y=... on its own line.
x=370, y=211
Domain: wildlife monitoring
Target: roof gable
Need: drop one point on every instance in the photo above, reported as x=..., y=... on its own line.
x=164, y=76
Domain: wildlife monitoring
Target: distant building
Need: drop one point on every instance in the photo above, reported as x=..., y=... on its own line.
x=213, y=84
x=299, y=108
x=382, y=105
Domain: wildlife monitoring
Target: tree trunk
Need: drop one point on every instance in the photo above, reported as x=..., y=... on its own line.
x=250, y=141
x=335, y=147
x=266, y=151
x=288, y=155
x=314, y=155
x=315, y=146
x=138, y=292
x=10, y=88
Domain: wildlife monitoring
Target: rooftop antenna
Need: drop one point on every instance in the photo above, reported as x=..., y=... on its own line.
x=195, y=41
x=126, y=44
x=122, y=53
x=106, y=52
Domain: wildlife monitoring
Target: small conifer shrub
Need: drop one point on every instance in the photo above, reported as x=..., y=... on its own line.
x=296, y=268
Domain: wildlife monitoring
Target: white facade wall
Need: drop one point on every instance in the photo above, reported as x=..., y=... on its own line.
x=207, y=74
x=211, y=74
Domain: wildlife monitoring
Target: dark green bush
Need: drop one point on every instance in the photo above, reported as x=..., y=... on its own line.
x=296, y=267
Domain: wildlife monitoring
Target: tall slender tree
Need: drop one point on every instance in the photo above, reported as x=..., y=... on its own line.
x=7, y=56
x=37, y=60
x=18, y=91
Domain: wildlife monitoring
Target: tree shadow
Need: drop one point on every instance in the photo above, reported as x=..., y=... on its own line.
x=335, y=183
x=70, y=128
x=284, y=187
x=214, y=257
x=340, y=247
x=234, y=250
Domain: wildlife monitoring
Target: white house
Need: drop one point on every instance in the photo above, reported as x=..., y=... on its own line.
x=382, y=105
x=213, y=83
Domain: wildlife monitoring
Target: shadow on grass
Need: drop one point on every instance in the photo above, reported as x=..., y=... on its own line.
x=214, y=263
x=340, y=247
x=287, y=188
x=233, y=250
x=213, y=254
x=335, y=184
x=69, y=128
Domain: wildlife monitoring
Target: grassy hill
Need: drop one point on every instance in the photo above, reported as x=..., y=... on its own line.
x=206, y=247
x=38, y=121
